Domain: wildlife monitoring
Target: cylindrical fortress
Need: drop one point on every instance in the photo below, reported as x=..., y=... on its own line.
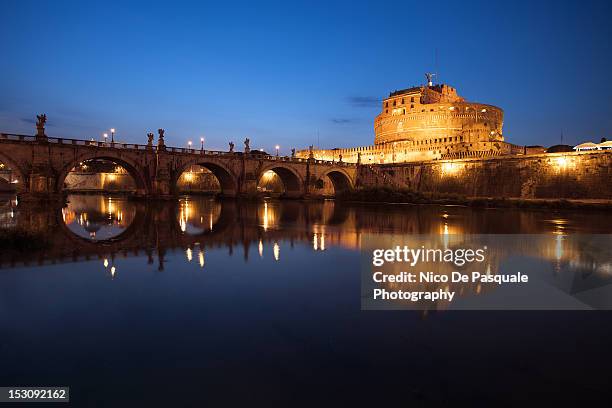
x=437, y=118
x=428, y=122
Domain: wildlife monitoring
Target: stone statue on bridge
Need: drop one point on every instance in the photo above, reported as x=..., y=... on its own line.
x=231, y=146
x=150, y=137
x=311, y=152
x=247, y=147
x=293, y=152
x=40, y=125
x=160, y=141
x=339, y=158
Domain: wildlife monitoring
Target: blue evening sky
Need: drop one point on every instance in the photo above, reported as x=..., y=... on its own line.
x=283, y=72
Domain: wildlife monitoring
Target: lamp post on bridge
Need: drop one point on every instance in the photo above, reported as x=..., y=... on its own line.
x=189, y=144
x=112, y=135
x=105, y=135
x=202, y=144
x=277, y=147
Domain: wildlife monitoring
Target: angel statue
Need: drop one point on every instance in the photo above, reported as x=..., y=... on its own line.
x=247, y=148
x=160, y=140
x=42, y=119
x=231, y=145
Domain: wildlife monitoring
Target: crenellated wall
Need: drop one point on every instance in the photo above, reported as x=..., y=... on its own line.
x=578, y=175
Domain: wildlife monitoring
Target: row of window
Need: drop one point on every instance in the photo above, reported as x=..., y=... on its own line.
x=402, y=102
x=403, y=110
x=440, y=140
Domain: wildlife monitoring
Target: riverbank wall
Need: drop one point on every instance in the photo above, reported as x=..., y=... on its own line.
x=574, y=175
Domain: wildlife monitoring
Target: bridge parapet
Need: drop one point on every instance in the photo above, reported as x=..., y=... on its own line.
x=191, y=151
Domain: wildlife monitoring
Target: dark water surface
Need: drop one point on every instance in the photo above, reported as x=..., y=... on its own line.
x=224, y=303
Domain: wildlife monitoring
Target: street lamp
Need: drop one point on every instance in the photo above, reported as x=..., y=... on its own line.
x=277, y=147
x=201, y=143
x=112, y=135
x=189, y=144
x=105, y=137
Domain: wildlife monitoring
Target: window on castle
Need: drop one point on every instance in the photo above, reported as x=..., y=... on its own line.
x=402, y=101
x=411, y=106
x=386, y=104
x=394, y=103
x=412, y=99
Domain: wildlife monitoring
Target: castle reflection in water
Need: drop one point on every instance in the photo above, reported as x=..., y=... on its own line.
x=109, y=228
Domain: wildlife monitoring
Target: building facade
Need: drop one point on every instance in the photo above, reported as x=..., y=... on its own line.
x=426, y=123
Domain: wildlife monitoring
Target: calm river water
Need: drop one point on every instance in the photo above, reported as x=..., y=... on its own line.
x=228, y=303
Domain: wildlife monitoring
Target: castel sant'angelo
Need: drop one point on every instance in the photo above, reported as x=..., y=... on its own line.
x=425, y=123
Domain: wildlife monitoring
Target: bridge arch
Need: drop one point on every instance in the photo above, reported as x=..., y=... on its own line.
x=293, y=183
x=227, y=179
x=18, y=172
x=133, y=168
x=339, y=178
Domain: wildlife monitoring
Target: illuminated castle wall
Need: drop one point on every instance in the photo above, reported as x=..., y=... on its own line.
x=426, y=123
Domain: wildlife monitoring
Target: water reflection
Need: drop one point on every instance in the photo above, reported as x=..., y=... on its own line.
x=107, y=227
x=98, y=217
x=198, y=215
x=8, y=210
x=178, y=291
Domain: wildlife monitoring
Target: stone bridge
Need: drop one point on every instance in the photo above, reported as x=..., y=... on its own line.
x=40, y=165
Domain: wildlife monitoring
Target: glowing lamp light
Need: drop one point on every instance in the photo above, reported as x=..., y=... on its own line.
x=201, y=258
x=561, y=162
x=450, y=168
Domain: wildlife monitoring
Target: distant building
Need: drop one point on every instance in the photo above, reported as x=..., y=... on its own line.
x=586, y=146
x=429, y=122
x=560, y=148
x=605, y=145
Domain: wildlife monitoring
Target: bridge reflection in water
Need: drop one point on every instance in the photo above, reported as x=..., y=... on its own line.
x=108, y=228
